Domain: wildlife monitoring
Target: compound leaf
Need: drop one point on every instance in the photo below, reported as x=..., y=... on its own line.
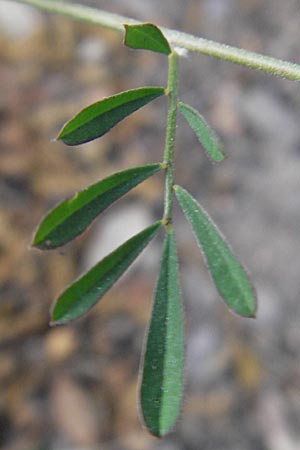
x=85, y=292
x=97, y=119
x=230, y=277
x=71, y=217
x=146, y=36
x=162, y=366
x=206, y=135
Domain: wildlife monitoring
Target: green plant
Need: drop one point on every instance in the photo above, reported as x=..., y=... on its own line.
x=162, y=363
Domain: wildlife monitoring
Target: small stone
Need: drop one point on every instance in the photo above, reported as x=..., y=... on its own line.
x=18, y=21
x=74, y=413
x=61, y=343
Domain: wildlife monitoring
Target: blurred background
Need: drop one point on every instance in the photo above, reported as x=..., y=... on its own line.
x=75, y=387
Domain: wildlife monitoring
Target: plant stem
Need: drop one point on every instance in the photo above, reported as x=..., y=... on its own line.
x=235, y=55
x=172, y=92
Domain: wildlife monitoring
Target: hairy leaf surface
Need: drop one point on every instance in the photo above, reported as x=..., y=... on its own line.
x=206, y=135
x=146, y=36
x=230, y=277
x=85, y=292
x=162, y=368
x=71, y=217
x=97, y=119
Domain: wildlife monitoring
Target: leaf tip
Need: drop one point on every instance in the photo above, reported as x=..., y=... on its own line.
x=159, y=432
x=253, y=314
x=36, y=243
x=54, y=320
x=42, y=244
x=56, y=323
x=54, y=317
x=33, y=245
x=249, y=312
x=59, y=134
x=62, y=133
x=155, y=431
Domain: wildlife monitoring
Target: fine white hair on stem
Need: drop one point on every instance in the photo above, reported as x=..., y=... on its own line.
x=182, y=51
x=235, y=55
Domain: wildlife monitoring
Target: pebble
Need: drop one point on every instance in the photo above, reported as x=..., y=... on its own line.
x=18, y=21
x=114, y=228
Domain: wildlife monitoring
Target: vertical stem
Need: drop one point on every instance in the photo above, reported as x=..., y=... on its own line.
x=172, y=92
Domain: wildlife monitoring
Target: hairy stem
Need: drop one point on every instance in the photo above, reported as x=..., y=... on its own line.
x=172, y=92
x=235, y=55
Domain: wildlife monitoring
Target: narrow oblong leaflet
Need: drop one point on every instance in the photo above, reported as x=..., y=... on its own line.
x=71, y=217
x=85, y=292
x=161, y=388
x=231, y=279
x=97, y=119
x=207, y=136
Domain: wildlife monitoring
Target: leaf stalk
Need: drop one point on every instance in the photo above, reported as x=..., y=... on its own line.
x=252, y=60
x=172, y=92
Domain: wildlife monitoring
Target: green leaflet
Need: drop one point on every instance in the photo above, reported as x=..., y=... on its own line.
x=71, y=217
x=146, y=36
x=206, y=135
x=85, y=292
x=229, y=276
x=98, y=118
x=162, y=367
